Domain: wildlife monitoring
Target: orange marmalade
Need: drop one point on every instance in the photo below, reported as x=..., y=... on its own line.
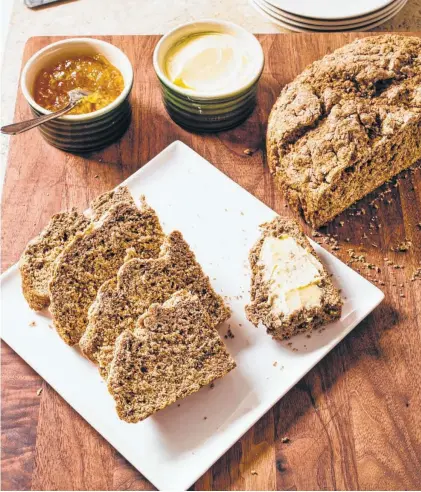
x=92, y=73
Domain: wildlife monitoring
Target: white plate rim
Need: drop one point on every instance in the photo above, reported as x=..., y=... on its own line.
x=96, y=424
x=326, y=22
x=277, y=15
x=296, y=8
x=286, y=25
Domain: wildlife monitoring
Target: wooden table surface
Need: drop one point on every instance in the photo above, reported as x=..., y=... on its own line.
x=354, y=422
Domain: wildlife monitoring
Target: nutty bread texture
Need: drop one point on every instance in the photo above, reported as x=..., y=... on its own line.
x=173, y=352
x=36, y=262
x=95, y=256
x=104, y=202
x=347, y=124
x=139, y=283
x=260, y=309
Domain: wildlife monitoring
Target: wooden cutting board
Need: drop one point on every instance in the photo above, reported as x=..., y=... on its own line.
x=354, y=422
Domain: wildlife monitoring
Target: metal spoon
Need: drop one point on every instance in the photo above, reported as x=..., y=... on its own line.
x=75, y=95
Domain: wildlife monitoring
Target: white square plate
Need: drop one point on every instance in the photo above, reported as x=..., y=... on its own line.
x=220, y=221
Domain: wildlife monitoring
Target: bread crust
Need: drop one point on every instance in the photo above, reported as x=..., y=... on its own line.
x=100, y=205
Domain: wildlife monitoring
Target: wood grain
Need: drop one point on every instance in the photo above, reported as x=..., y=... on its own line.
x=354, y=422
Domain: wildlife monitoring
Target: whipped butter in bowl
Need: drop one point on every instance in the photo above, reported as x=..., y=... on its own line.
x=209, y=72
x=209, y=63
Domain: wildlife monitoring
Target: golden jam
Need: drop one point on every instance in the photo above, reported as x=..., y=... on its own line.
x=92, y=73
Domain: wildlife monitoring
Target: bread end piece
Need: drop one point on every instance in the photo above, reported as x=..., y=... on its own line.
x=302, y=320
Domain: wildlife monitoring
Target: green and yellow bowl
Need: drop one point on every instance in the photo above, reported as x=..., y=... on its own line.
x=201, y=112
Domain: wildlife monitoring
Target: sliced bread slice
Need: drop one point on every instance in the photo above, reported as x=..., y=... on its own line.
x=140, y=283
x=173, y=352
x=104, y=202
x=291, y=291
x=95, y=256
x=108, y=316
x=36, y=263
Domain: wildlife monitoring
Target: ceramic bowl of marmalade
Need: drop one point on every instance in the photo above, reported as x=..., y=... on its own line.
x=80, y=63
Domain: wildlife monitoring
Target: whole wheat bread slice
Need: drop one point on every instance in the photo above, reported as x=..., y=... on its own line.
x=36, y=263
x=260, y=309
x=140, y=283
x=173, y=352
x=95, y=256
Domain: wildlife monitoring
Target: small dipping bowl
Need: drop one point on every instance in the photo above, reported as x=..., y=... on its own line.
x=88, y=132
x=209, y=112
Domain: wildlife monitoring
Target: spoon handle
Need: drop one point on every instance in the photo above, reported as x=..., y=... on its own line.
x=23, y=126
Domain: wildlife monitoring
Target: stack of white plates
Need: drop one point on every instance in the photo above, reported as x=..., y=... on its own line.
x=328, y=15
